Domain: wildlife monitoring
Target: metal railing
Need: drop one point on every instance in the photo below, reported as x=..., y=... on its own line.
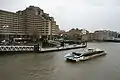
x=16, y=48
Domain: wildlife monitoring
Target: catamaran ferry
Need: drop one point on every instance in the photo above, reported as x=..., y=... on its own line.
x=84, y=54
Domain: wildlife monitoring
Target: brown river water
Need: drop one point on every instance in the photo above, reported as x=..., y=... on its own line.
x=52, y=66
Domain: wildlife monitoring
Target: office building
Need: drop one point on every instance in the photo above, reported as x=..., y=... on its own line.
x=105, y=35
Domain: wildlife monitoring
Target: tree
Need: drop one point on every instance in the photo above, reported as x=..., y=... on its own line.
x=35, y=35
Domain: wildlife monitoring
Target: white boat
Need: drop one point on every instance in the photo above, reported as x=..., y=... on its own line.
x=84, y=54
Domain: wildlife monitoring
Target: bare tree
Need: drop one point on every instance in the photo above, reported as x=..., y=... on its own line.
x=35, y=35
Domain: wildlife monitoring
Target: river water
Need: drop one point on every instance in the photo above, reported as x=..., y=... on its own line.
x=52, y=66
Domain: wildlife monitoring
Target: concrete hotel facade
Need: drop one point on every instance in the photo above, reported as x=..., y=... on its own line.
x=27, y=22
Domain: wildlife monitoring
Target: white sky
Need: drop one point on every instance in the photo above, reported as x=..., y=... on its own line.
x=89, y=14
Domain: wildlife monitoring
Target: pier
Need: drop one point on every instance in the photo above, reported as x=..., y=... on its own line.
x=37, y=48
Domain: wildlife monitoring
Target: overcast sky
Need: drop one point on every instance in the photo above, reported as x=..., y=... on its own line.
x=89, y=14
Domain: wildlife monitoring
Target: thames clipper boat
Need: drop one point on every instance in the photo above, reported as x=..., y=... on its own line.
x=84, y=54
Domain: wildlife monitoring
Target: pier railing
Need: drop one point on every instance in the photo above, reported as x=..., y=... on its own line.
x=16, y=48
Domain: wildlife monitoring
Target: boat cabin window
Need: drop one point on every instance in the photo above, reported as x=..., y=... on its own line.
x=89, y=54
x=91, y=50
x=78, y=54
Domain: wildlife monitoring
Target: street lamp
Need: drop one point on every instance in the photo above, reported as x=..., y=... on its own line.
x=5, y=26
